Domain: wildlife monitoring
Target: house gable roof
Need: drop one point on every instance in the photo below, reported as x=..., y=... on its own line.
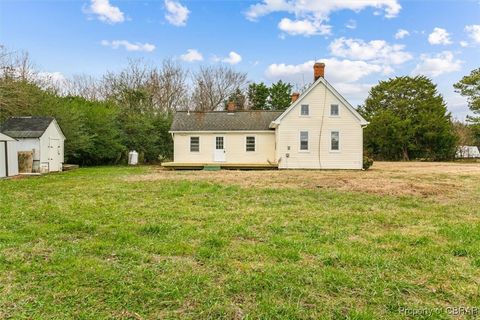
x=223, y=121
x=350, y=108
x=26, y=127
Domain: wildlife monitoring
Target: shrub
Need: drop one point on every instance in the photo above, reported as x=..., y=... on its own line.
x=367, y=162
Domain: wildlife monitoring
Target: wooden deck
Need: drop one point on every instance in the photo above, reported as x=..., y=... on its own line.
x=231, y=166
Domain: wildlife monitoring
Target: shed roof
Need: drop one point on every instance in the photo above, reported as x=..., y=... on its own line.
x=4, y=137
x=224, y=121
x=26, y=127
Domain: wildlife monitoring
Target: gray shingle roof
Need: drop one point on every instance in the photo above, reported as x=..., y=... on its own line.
x=223, y=121
x=26, y=127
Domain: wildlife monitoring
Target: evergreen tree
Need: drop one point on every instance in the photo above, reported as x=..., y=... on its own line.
x=257, y=96
x=408, y=120
x=280, y=95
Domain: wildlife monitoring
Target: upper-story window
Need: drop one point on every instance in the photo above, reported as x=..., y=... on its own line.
x=334, y=110
x=305, y=110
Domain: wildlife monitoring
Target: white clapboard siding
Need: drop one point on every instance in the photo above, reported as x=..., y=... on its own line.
x=319, y=124
x=235, y=147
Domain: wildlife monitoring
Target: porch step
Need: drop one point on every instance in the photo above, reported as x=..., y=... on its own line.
x=211, y=168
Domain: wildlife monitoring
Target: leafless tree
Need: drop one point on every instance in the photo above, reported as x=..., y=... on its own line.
x=85, y=86
x=16, y=65
x=168, y=86
x=16, y=70
x=213, y=85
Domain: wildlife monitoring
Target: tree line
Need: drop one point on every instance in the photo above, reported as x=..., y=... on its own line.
x=105, y=117
x=132, y=109
x=409, y=119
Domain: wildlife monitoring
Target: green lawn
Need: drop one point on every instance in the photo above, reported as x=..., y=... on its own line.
x=93, y=244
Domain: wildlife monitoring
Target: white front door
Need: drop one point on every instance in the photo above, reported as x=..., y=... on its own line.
x=54, y=155
x=219, y=151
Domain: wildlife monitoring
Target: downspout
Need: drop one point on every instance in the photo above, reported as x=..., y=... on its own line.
x=321, y=128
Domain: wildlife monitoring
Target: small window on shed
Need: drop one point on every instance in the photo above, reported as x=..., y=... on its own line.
x=194, y=144
x=305, y=110
x=334, y=112
x=250, y=143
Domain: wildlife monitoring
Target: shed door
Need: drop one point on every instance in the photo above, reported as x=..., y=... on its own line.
x=54, y=154
x=219, y=151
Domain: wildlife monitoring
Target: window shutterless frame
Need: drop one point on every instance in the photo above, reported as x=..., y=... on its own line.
x=335, y=141
x=194, y=144
x=250, y=143
x=303, y=140
x=334, y=110
x=304, y=110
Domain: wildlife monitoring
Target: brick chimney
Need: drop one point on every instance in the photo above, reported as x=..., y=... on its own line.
x=318, y=70
x=295, y=96
x=231, y=106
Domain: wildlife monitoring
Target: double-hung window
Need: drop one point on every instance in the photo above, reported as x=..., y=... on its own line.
x=334, y=111
x=303, y=140
x=250, y=144
x=194, y=144
x=305, y=110
x=335, y=141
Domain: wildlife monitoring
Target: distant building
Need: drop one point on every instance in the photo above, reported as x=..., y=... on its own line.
x=464, y=152
x=40, y=135
x=8, y=156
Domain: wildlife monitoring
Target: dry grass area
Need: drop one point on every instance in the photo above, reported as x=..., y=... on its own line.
x=443, y=181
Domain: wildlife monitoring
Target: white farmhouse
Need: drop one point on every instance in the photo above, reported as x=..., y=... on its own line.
x=40, y=135
x=8, y=156
x=320, y=130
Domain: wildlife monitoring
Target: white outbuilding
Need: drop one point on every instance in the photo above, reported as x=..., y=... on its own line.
x=41, y=137
x=8, y=156
x=464, y=152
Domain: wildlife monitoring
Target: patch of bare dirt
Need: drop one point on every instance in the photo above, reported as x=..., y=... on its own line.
x=440, y=180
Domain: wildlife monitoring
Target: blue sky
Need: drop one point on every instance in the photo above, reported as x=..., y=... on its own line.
x=361, y=41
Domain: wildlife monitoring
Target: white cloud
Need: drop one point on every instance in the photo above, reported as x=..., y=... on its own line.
x=378, y=51
x=351, y=24
x=177, y=14
x=105, y=11
x=474, y=32
x=320, y=9
x=137, y=46
x=345, y=75
x=233, y=58
x=303, y=27
x=456, y=103
x=435, y=65
x=401, y=33
x=337, y=71
x=463, y=44
x=316, y=12
x=439, y=36
x=192, y=55
x=356, y=93
x=56, y=78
